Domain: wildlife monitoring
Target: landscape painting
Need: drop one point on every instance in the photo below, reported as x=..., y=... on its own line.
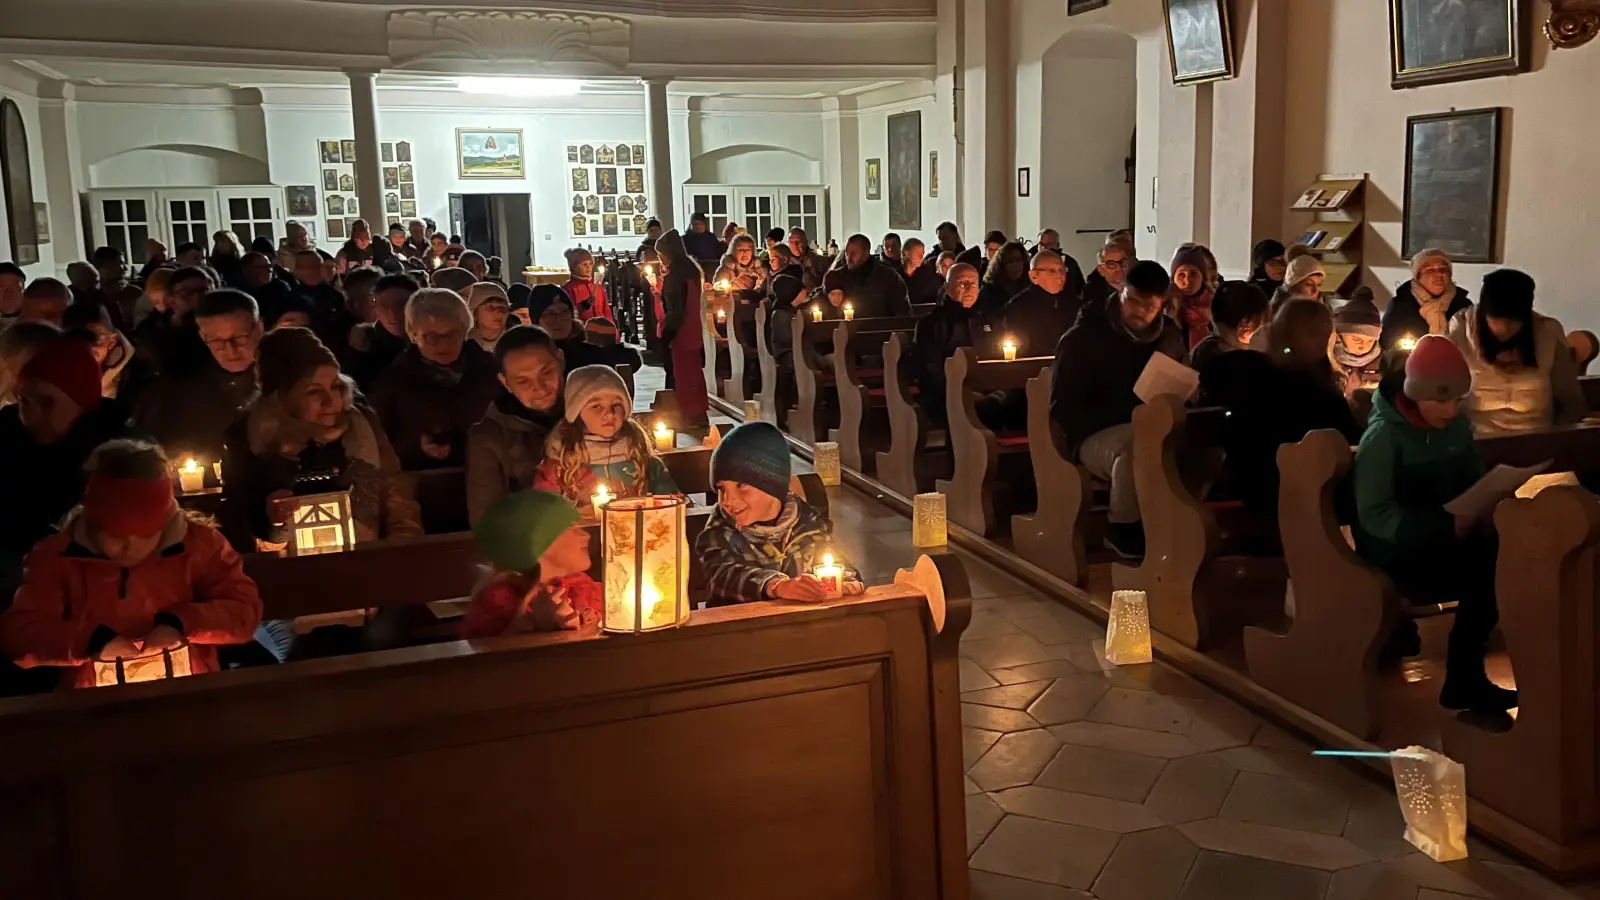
x=1437, y=41
x=905, y=171
x=1453, y=184
x=490, y=154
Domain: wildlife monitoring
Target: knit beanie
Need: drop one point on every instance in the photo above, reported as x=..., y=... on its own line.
x=519, y=527
x=1301, y=268
x=1507, y=294
x=586, y=382
x=1423, y=256
x=1436, y=370
x=602, y=328
x=484, y=291
x=1359, y=315
x=756, y=454
x=1190, y=256
x=68, y=366
x=544, y=296
x=288, y=355
x=455, y=279
x=127, y=507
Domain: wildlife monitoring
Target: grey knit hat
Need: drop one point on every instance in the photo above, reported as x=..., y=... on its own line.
x=756, y=454
x=1359, y=315
x=587, y=381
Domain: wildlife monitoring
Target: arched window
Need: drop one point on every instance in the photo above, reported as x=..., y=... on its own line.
x=16, y=177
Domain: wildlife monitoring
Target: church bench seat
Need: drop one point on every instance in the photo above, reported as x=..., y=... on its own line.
x=1055, y=536
x=857, y=376
x=971, y=490
x=917, y=453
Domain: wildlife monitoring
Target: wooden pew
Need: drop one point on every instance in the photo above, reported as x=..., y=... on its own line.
x=1573, y=448
x=1540, y=773
x=1585, y=347
x=1326, y=660
x=977, y=451
x=1196, y=595
x=1591, y=391
x=908, y=467
x=1054, y=536
x=768, y=395
x=442, y=498
x=809, y=750
x=807, y=420
x=716, y=338
x=860, y=387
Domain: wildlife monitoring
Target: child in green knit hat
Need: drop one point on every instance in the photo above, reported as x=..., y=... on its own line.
x=541, y=559
x=763, y=542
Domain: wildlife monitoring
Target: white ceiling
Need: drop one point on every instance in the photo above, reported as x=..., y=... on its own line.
x=109, y=73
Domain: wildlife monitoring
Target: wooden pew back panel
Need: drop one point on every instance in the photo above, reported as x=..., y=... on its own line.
x=976, y=449
x=853, y=341
x=1052, y=537
x=897, y=466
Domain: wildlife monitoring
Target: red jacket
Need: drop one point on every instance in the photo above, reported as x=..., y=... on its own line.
x=588, y=299
x=69, y=591
x=496, y=606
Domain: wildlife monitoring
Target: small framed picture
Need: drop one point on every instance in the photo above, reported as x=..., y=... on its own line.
x=301, y=200
x=347, y=151
x=408, y=191
x=408, y=208
x=335, y=228
x=1024, y=182
x=386, y=151
x=402, y=151
x=330, y=179
x=874, y=179
x=572, y=153
x=330, y=151
x=391, y=177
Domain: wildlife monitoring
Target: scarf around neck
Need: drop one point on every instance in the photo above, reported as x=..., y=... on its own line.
x=1351, y=361
x=1435, y=310
x=605, y=451
x=776, y=531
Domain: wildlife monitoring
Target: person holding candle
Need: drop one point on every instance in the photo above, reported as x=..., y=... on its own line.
x=1524, y=377
x=1036, y=319
x=540, y=552
x=588, y=295
x=130, y=573
x=200, y=392
x=506, y=446
x=600, y=441
x=763, y=542
x=1426, y=303
x=871, y=288
x=1356, y=351
x=746, y=284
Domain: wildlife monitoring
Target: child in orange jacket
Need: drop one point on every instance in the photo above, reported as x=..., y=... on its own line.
x=127, y=575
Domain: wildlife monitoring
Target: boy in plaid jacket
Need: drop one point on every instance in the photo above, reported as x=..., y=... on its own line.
x=763, y=542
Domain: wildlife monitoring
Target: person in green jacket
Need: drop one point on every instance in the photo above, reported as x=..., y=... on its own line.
x=1417, y=455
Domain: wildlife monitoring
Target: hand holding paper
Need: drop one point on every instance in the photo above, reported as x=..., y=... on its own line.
x=1165, y=375
x=1479, y=501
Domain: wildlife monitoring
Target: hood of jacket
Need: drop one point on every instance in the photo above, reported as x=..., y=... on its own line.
x=670, y=244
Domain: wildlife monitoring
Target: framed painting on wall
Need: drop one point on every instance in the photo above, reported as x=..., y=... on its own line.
x=1199, y=40
x=301, y=200
x=489, y=153
x=1453, y=184
x=905, y=170
x=1082, y=6
x=41, y=222
x=874, y=179
x=1434, y=42
x=933, y=173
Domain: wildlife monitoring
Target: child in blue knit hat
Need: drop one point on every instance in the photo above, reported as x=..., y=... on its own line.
x=763, y=542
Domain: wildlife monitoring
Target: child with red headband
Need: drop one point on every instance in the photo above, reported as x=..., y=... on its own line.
x=128, y=574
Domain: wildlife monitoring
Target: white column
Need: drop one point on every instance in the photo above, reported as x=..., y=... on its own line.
x=658, y=136
x=1247, y=156
x=988, y=172
x=63, y=171
x=369, y=166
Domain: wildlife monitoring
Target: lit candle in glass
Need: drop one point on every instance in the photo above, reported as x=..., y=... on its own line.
x=1408, y=343
x=437, y=262
x=191, y=477
x=816, y=313
x=601, y=497
x=849, y=311
x=825, y=460
x=831, y=576
x=1009, y=348
x=723, y=284
x=1128, y=629
x=722, y=316
x=666, y=438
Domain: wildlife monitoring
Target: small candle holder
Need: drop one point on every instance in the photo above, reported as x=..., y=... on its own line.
x=191, y=477
x=825, y=460
x=752, y=410
x=601, y=497
x=831, y=576
x=1009, y=349
x=1432, y=789
x=666, y=438
x=723, y=284
x=722, y=317
x=849, y=311
x=1128, y=629
x=816, y=313
x=929, y=528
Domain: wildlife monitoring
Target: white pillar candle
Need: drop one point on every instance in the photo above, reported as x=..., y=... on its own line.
x=849, y=311
x=831, y=576
x=666, y=438
x=601, y=497
x=1009, y=348
x=191, y=477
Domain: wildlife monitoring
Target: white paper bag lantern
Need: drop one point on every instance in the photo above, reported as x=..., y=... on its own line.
x=825, y=459
x=1432, y=789
x=752, y=410
x=646, y=556
x=1128, y=629
x=929, y=528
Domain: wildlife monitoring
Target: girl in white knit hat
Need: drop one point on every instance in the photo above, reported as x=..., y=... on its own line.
x=600, y=441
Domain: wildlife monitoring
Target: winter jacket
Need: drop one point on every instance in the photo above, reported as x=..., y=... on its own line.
x=995, y=296
x=45, y=481
x=813, y=269
x=1096, y=290
x=938, y=335
x=73, y=601
x=1510, y=399
x=1404, y=474
x=703, y=245
x=872, y=288
x=268, y=451
x=271, y=298
x=614, y=468
x=1403, y=316
x=740, y=563
x=370, y=350
x=504, y=450
x=744, y=298
x=1097, y=363
x=680, y=300
x=588, y=299
x=500, y=606
x=924, y=286
x=976, y=256
x=188, y=414
x=1270, y=405
x=1036, y=320
x=414, y=397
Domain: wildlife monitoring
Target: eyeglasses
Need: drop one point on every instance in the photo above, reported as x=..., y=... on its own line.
x=238, y=342
x=1114, y=263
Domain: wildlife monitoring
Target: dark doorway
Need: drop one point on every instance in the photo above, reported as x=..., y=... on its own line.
x=495, y=225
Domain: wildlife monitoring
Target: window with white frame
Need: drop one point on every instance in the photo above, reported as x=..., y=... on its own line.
x=803, y=209
x=758, y=217
x=126, y=221
x=189, y=222
x=714, y=207
x=251, y=217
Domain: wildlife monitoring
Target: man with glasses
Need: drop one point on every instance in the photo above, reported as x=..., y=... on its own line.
x=193, y=402
x=1109, y=275
x=164, y=338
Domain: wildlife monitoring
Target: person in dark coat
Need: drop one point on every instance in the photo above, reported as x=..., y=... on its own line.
x=893, y=253
x=1037, y=318
x=1275, y=398
x=1050, y=239
x=506, y=446
x=438, y=386
x=374, y=345
x=188, y=407
x=1091, y=389
x=1110, y=271
x=786, y=297
x=1005, y=276
x=45, y=439
x=923, y=284
x=259, y=280
x=1267, y=266
x=122, y=374
x=680, y=328
x=165, y=338
x=700, y=243
x=1237, y=313
x=553, y=311
x=872, y=288
x=978, y=255
x=1426, y=303
x=958, y=321
x=812, y=266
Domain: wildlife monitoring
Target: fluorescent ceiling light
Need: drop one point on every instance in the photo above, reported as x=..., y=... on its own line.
x=519, y=87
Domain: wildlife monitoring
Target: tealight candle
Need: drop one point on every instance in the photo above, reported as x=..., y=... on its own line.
x=752, y=410
x=816, y=313
x=666, y=438
x=601, y=497
x=722, y=316
x=1408, y=343
x=1009, y=348
x=191, y=477
x=849, y=311
x=723, y=284
x=831, y=576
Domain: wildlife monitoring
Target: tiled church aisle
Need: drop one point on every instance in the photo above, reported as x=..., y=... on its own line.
x=1085, y=780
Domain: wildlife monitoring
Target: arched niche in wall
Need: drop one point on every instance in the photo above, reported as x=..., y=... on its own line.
x=177, y=165
x=1089, y=99
x=754, y=164
x=17, y=174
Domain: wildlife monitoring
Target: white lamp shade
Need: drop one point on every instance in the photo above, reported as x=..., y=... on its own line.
x=322, y=524
x=155, y=666
x=646, y=556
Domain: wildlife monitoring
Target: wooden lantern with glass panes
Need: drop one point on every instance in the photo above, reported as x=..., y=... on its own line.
x=645, y=543
x=322, y=523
